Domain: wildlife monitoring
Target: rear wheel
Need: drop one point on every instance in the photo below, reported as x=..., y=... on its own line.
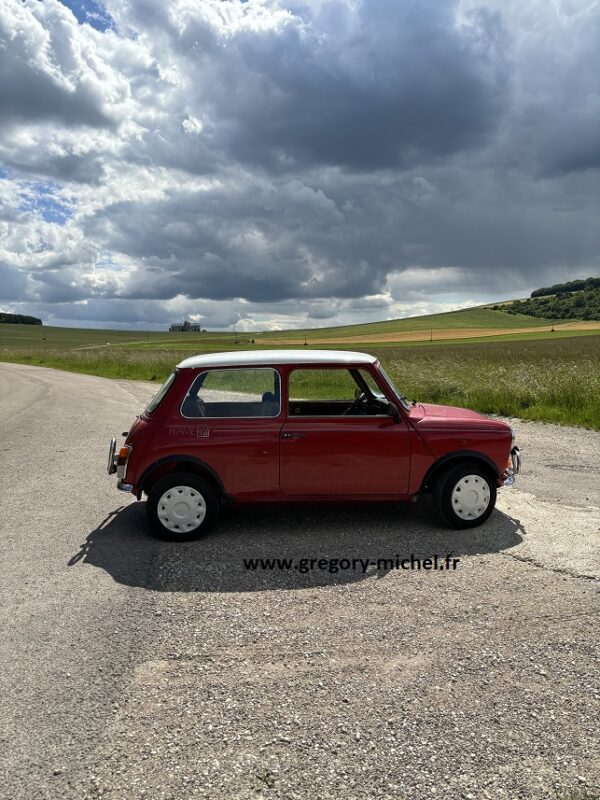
x=465, y=495
x=182, y=506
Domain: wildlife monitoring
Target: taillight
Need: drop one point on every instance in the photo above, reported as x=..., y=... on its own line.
x=122, y=459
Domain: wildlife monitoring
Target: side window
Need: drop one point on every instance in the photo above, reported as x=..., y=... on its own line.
x=159, y=396
x=333, y=392
x=234, y=393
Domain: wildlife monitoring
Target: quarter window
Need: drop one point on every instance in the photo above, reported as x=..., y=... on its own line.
x=159, y=396
x=234, y=393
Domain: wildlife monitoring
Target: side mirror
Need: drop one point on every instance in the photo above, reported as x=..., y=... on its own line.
x=393, y=412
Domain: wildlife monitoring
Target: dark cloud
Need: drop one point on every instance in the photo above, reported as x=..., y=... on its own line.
x=13, y=283
x=66, y=167
x=144, y=314
x=385, y=85
x=320, y=313
x=49, y=72
x=56, y=286
x=27, y=94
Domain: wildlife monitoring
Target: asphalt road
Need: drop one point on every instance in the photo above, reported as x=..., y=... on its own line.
x=131, y=668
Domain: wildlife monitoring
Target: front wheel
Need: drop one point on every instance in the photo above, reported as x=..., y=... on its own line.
x=465, y=495
x=182, y=506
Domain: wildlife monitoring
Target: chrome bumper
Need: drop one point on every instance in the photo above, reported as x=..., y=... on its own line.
x=111, y=467
x=510, y=473
x=117, y=462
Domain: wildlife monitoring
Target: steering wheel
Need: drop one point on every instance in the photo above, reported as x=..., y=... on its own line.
x=358, y=407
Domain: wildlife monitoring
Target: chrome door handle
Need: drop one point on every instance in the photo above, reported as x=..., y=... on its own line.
x=290, y=435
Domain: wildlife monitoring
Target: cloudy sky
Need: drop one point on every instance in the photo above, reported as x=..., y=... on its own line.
x=292, y=163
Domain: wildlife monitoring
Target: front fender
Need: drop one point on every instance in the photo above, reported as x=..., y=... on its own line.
x=452, y=458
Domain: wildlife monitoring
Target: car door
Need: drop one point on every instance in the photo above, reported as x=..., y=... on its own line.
x=237, y=422
x=326, y=450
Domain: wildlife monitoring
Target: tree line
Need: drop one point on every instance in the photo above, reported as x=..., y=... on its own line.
x=584, y=304
x=570, y=286
x=21, y=319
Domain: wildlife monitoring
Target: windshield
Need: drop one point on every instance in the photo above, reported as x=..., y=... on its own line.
x=158, y=397
x=392, y=386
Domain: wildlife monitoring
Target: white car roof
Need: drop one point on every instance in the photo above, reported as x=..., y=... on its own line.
x=246, y=358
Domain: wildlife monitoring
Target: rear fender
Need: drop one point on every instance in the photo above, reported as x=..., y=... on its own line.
x=164, y=466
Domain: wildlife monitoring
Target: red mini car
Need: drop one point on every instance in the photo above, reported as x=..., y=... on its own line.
x=304, y=425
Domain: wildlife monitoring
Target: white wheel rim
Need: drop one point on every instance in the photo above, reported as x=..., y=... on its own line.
x=470, y=497
x=181, y=509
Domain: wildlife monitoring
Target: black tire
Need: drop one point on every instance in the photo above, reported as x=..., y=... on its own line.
x=197, y=495
x=446, y=500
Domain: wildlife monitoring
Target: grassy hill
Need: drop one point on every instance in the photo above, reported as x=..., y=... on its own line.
x=480, y=317
x=482, y=323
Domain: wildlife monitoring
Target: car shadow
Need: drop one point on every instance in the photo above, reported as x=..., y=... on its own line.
x=122, y=545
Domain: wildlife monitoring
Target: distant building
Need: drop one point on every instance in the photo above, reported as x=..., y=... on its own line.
x=186, y=327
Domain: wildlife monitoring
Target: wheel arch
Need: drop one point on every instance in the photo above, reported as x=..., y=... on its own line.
x=164, y=466
x=451, y=460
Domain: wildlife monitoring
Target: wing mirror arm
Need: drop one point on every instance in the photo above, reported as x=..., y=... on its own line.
x=393, y=412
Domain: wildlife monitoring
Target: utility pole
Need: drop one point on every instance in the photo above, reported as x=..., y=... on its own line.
x=431, y=335
x=305, y=342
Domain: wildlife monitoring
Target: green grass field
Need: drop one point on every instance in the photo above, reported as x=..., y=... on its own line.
x=553, y=381
x=553, y=377
x=36, y=338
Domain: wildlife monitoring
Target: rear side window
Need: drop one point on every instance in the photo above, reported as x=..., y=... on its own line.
x=160, y=395
x=234, y=393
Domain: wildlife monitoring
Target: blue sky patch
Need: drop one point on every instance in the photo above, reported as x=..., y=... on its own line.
x=91, y=12
x=39, y=199
x=106, y=260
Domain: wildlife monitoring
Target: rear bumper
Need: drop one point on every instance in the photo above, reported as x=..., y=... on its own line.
x=111, y=467
x=512, y=470
x=118, y=461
